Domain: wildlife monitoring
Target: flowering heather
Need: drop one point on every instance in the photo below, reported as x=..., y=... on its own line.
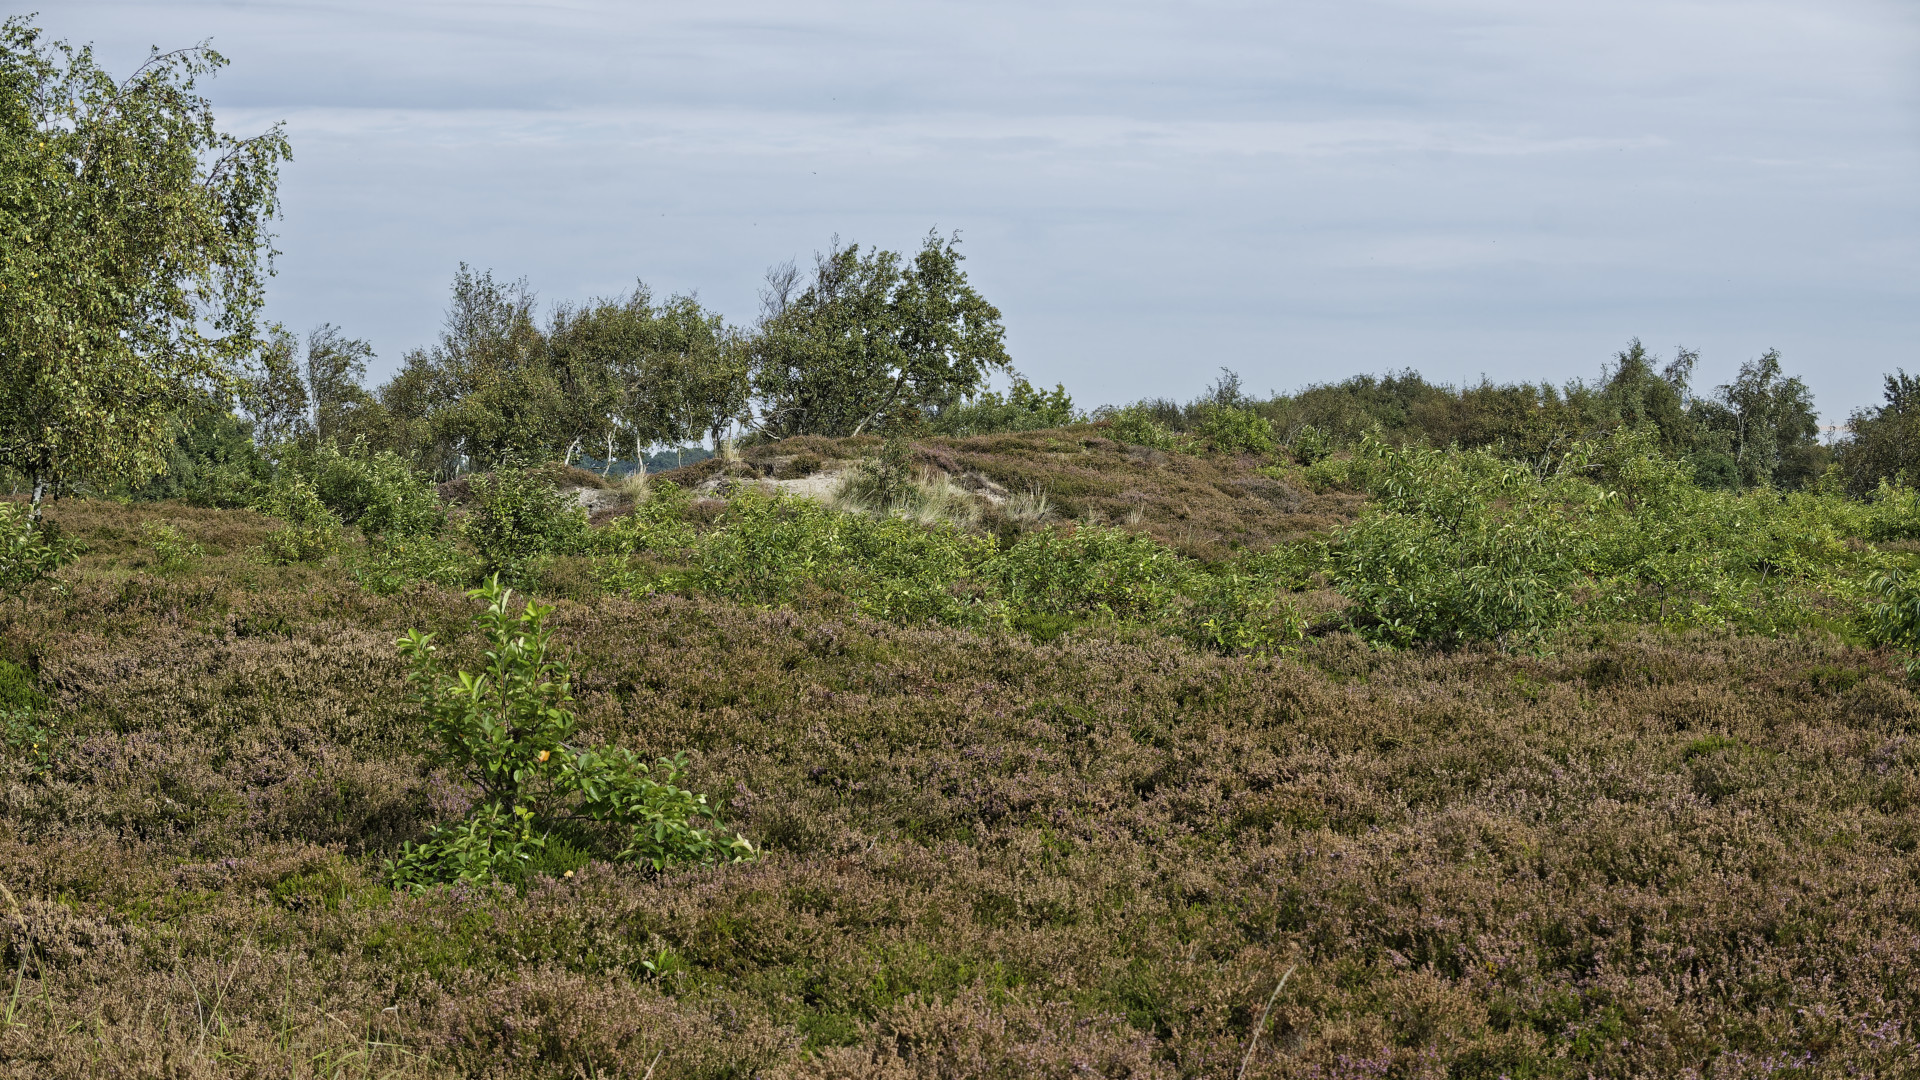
x=1634, y=853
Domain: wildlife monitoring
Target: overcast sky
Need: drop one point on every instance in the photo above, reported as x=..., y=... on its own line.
x=1298, y=189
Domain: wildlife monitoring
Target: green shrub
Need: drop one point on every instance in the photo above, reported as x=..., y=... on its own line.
x=1086, y=570
x=30, y=550
x=883, y=482
x=378, y=492
x=1895, y=619
x=172, y=552
x=1242, y=614
x=507, y=731
x=1310, y=445
x=1023, y=408
x=392, y=563
x=309, y=532
x=657, y=526
x=1892, y=514
x=1457, y=546
x=1234, y=430
x=518, y=517
x=1135, y=424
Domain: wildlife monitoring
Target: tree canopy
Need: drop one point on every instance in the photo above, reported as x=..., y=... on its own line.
x=133, y=252
x=874, y=338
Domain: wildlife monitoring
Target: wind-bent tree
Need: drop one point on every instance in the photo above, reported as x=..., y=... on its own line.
x=133, y=253
x=874, y=339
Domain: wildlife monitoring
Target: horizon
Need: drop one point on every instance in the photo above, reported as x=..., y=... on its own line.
x=1301, y=194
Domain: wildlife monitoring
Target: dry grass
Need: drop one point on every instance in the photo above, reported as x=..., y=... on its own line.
x=1643, y=855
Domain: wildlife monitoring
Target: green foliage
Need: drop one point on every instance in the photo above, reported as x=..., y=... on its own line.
x=18, y=688
x=1235, y=430
x=1023, y=408
x=1883, y=442
x=518, y=517
x=873, y=338
x=507, y=731
x=1893, y=513
x=1466, y=545
x=1458, y=546
x=658, y=526
x=212, y=461
x=1310, y=445
x=172, y=552
x=31, y=549
x=768, y=550
x=885, y=480
x=1895, y=619
x=309, y=532
x=393, y=563
x=28, y=741
x=1087, y=570
x=1242, y=613
x=1137, y=425
x=136, y=254
x=379, y=492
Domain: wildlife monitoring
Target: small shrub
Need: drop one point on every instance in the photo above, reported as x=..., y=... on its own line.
x=1089, y=569
x=378, y=492
x=798, y=467
x=1234, y=430
x=1136, y=424
x=519, y=517
x=883, y=482
x=1895, y=619
x=1310, y=445
x=508, y=731
x=172, y=552
x=393, y=563
x=309, y=532
x=657, y=526
x=1023, y=408
x=30, y=550
x=1243, y=614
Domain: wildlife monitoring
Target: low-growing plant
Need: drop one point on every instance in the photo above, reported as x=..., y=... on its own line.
x=378, y=492
x=172, y=551
x=393, y=563
x=1310, y=445
x=1242, y=614
x=1089, y=570
x=508, y=732
x=518, y=517
x=883, y=482
x=309, y=532
x=1135, y=424
x=31, y=550
x=1895, y=619
x=1235, y=430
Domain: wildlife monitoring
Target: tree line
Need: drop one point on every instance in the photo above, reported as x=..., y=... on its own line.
x=136, y=249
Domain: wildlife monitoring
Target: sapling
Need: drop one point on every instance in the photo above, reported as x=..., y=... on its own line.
x=508, y=731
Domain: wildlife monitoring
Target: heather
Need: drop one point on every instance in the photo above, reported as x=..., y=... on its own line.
x=1625, y=848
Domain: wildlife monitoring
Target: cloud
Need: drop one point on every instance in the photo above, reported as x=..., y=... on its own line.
x=1301, y=190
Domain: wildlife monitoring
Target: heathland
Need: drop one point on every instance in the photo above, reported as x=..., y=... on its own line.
x=1059, y=759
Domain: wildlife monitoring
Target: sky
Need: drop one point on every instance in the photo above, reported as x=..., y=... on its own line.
x=1298, y=190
